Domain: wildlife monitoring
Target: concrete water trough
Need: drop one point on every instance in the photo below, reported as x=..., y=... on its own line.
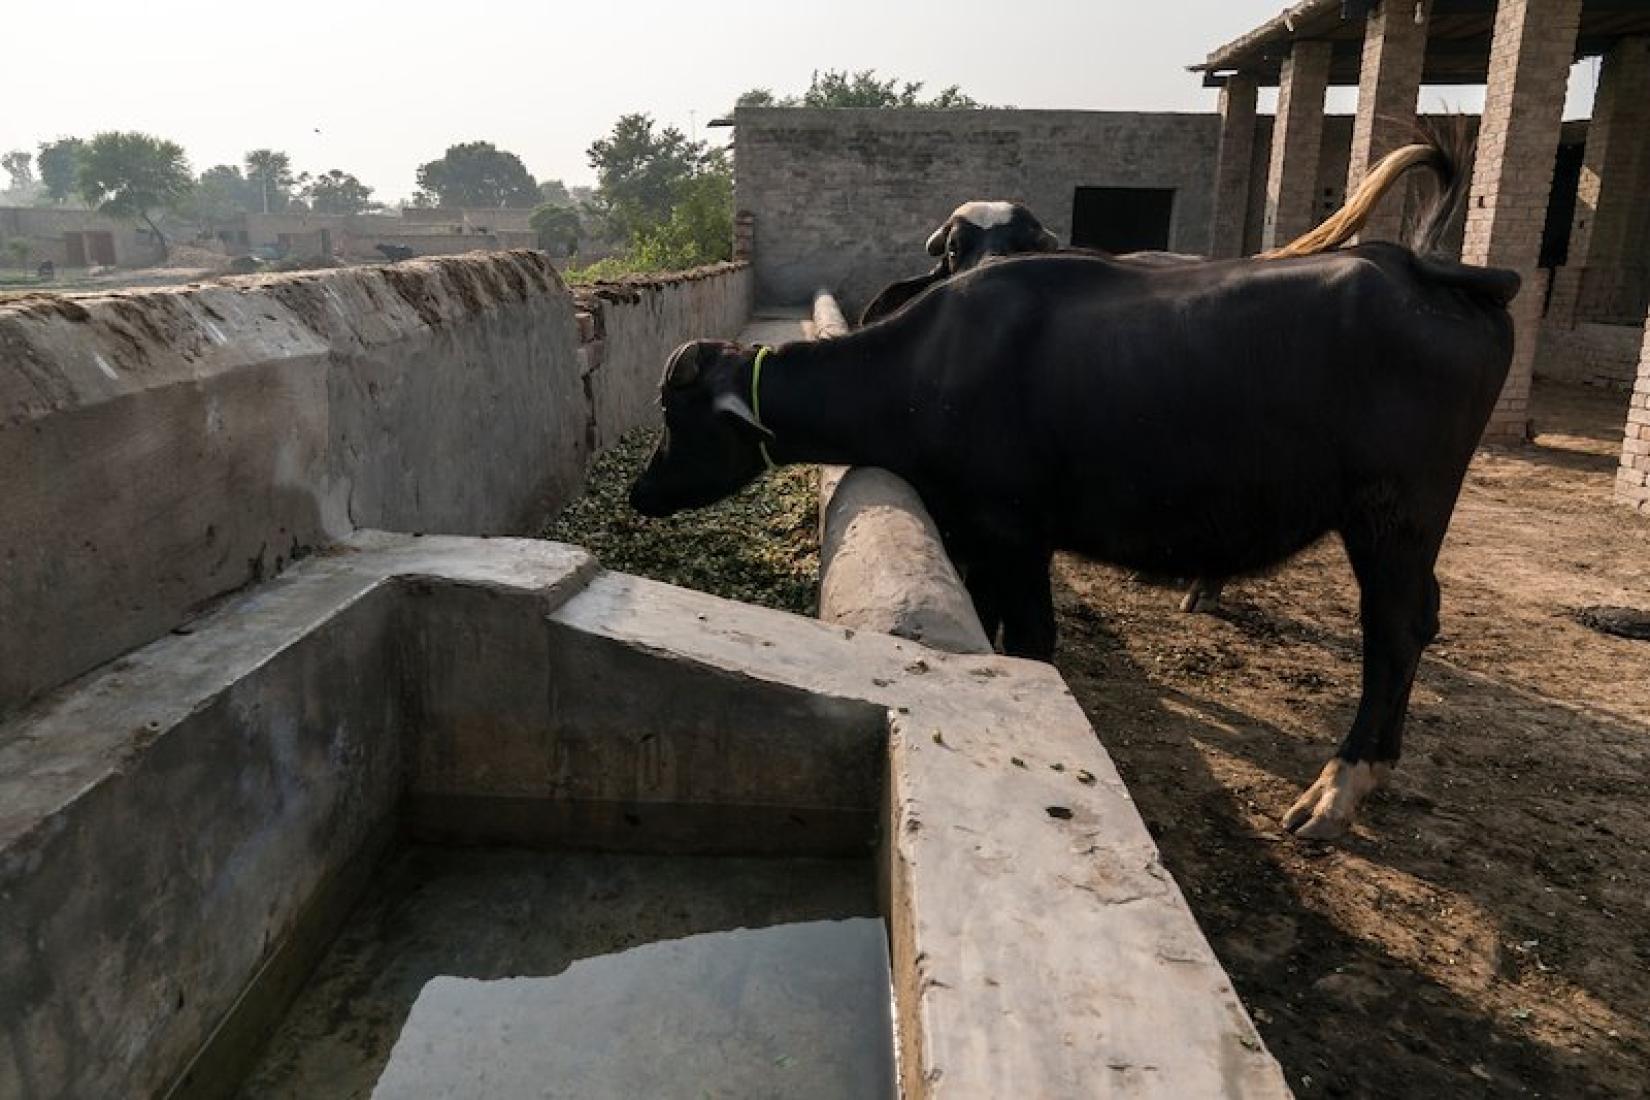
x=363, y=798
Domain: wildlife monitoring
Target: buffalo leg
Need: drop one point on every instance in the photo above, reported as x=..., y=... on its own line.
x=1027, y=604
x=1203, y=595
x=981, y=581
x=1398, y=607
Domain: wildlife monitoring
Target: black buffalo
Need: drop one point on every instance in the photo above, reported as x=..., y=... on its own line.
x=1207, y=419
x=975, y=232
x=979, y=231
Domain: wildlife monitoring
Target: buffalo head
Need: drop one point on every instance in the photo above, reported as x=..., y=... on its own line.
x=711, y=446
x=977, y=230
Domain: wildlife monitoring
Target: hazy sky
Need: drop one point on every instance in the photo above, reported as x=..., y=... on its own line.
x=377, y=88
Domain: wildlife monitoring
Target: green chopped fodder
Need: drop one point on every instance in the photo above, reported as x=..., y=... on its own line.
x=761, y=545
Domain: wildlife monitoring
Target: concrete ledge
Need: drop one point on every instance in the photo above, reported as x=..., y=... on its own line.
x=1039, y=946
x=165, y=824
x=882, y=565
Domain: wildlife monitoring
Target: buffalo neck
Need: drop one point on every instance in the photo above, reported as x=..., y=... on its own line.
x=842, y=401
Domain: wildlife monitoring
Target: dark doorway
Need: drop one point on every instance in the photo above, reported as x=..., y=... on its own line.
x=1122, y=219
x=101, y=244
x=74, y=250
x=1561, y=205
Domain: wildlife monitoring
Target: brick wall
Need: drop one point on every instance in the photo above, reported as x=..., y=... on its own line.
x=1633, y=478
x=1297, y=135
x=845, y=199
x=1593, y=354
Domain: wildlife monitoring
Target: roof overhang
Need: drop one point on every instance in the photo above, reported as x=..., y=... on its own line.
x=1458, y=38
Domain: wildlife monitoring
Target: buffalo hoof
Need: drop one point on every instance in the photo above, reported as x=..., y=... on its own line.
x=1201, y=597
x=1330, y=805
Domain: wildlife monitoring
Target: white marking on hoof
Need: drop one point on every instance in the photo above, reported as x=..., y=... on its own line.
x=1330, y=805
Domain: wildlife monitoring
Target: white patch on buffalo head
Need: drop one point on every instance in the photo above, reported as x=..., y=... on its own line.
x=985, y=214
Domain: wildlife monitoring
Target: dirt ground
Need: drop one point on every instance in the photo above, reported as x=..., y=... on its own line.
x=1486, y=930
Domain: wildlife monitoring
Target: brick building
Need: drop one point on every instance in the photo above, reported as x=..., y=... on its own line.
x=1582, y=242
x=72, y=238
x=844, y=198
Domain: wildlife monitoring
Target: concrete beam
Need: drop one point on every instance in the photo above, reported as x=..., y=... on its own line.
x=1297, y=138
x=1512, y=178
x=1232, y=166
x=883, y=567
x=1389, y=82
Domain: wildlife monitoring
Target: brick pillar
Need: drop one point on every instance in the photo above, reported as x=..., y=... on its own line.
x=1530, y=56
x=1633, y=478
x=1237, y=146
x=1389, y=83
x=1612, y=219
x=744, y=235
x=1297, y=136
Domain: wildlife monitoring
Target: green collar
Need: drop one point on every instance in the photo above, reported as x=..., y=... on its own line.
x=756, y=402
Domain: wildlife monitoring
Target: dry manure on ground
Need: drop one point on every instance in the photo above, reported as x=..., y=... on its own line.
x=760, y=545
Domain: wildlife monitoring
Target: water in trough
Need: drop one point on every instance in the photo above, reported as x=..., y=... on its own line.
x=500, y=972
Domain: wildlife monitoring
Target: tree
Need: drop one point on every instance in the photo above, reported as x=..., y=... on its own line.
x=700, y=227
x=132, y=175
x=555, y=193
x=17, y=164
x=219, y=195
x=557, y=227
x=840, y=88
x=270, y=173
x=477, y=174
x=640, y=173
x=59, y=163
x=338, y=192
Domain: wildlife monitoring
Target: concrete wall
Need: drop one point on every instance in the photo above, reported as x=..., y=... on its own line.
x=161, y=448
x=506, y=219
x=266, y=228
x=237, y=778
x=844, y=199
x=631, y=327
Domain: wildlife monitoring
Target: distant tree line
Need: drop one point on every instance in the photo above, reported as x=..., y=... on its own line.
x=663, y=199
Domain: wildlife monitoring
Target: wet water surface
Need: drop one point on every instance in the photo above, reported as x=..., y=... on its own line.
x=550, y=975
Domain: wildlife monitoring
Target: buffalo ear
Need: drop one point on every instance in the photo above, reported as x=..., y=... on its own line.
x=682, y=369
x=936, y=239
x=732, y=407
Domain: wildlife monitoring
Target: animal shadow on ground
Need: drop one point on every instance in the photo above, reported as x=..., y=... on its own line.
x=1480, y=933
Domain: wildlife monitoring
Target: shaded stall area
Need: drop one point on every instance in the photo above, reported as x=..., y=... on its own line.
x=1483, y=931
